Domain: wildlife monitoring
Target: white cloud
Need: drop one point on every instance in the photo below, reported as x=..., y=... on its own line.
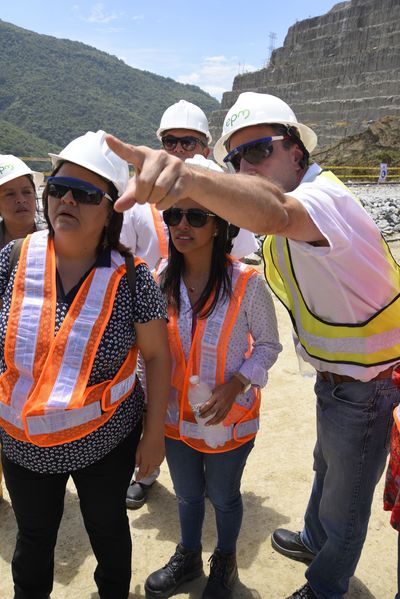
x=111, y=30
x=151, y=59
x=193, y=78
x=215, y=74
x=215, y=91
x=216, y=59
x=98, y=15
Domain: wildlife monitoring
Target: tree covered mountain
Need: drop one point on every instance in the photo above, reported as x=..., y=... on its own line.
x=53, y=90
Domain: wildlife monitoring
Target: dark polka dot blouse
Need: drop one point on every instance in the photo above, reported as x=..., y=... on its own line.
x=118, y=338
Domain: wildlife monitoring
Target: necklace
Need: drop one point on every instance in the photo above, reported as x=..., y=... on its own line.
x=200, y=283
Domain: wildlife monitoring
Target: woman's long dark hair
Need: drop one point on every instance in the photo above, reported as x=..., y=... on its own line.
x=220, y=278
x=111, y=233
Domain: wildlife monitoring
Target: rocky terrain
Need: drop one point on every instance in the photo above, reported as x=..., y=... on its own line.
x=382, y=201
x=379, y=142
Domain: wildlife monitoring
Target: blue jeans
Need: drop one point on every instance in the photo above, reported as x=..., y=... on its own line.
x=193, y=474
x=354, y=421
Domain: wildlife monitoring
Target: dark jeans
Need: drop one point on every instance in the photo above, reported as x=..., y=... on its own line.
x=38, y=504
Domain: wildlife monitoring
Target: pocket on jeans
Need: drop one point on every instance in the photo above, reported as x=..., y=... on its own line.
x=359, y=395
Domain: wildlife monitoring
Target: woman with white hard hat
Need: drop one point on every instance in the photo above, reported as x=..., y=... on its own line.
x=18, y=190
x=222, y=329
x=70, y=401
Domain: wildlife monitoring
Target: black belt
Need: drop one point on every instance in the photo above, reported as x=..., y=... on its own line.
x=332, y=377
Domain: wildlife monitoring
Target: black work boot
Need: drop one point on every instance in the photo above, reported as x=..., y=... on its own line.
x=305, y=592
x=290, y=545
x=223, y=575
x=183, y=565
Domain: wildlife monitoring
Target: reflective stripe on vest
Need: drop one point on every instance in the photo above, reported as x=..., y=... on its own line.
x=44, y=396
x=369, y=343
x=207, y=358
x=57, y=421
x=239, y=431
x=160, y=231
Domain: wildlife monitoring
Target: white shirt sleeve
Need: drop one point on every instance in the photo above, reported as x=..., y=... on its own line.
x=336, y=213
x=128, y=232
x=263, y=327
x=139, y=234
x=244, y=244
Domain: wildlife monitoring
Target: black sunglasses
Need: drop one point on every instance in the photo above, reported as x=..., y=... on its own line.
x=188, y=143
x=82, y=191
x=253, y=151
x=195, y=217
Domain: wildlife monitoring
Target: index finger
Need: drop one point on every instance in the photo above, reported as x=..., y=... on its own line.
x=127, y=152
x=132, y=155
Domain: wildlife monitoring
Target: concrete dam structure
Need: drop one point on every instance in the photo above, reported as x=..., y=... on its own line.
x=339, y=72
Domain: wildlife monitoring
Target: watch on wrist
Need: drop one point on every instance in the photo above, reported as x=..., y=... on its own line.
x=245, y=381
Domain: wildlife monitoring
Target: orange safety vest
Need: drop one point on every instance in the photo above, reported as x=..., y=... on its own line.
x=44, y=398
x=160, y=231
x=207, y=359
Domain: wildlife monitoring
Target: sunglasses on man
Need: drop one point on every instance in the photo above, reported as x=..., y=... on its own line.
x=253, y=151
x=82, y=191
x=188, y=142
x=195, y=217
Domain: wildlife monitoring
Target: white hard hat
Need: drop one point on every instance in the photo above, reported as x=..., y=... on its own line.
x=92, y=152
x=184, y=115
x=200, y=160
x=12, y=167
x=252, y=108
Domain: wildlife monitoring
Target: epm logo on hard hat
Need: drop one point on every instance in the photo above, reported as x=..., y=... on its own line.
x=244, y=114
x=6, y=168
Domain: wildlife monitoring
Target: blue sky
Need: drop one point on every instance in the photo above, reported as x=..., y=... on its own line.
x=205, y=43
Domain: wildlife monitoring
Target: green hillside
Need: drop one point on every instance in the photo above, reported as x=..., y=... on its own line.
x=53, y=90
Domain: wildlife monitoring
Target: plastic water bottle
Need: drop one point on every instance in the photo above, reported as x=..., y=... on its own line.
x=199, y=392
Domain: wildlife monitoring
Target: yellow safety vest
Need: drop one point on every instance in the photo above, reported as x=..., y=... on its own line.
x=370, y=343
x=44, y=397
x=207, y=359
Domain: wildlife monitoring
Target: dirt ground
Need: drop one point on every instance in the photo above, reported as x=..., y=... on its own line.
x=276, y=486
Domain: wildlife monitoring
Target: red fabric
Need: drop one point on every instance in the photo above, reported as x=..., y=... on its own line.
x=396, y=375
x=391, y=496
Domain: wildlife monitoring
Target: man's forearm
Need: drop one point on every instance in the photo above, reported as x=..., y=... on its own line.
x=246, y=201
x=249, y=202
